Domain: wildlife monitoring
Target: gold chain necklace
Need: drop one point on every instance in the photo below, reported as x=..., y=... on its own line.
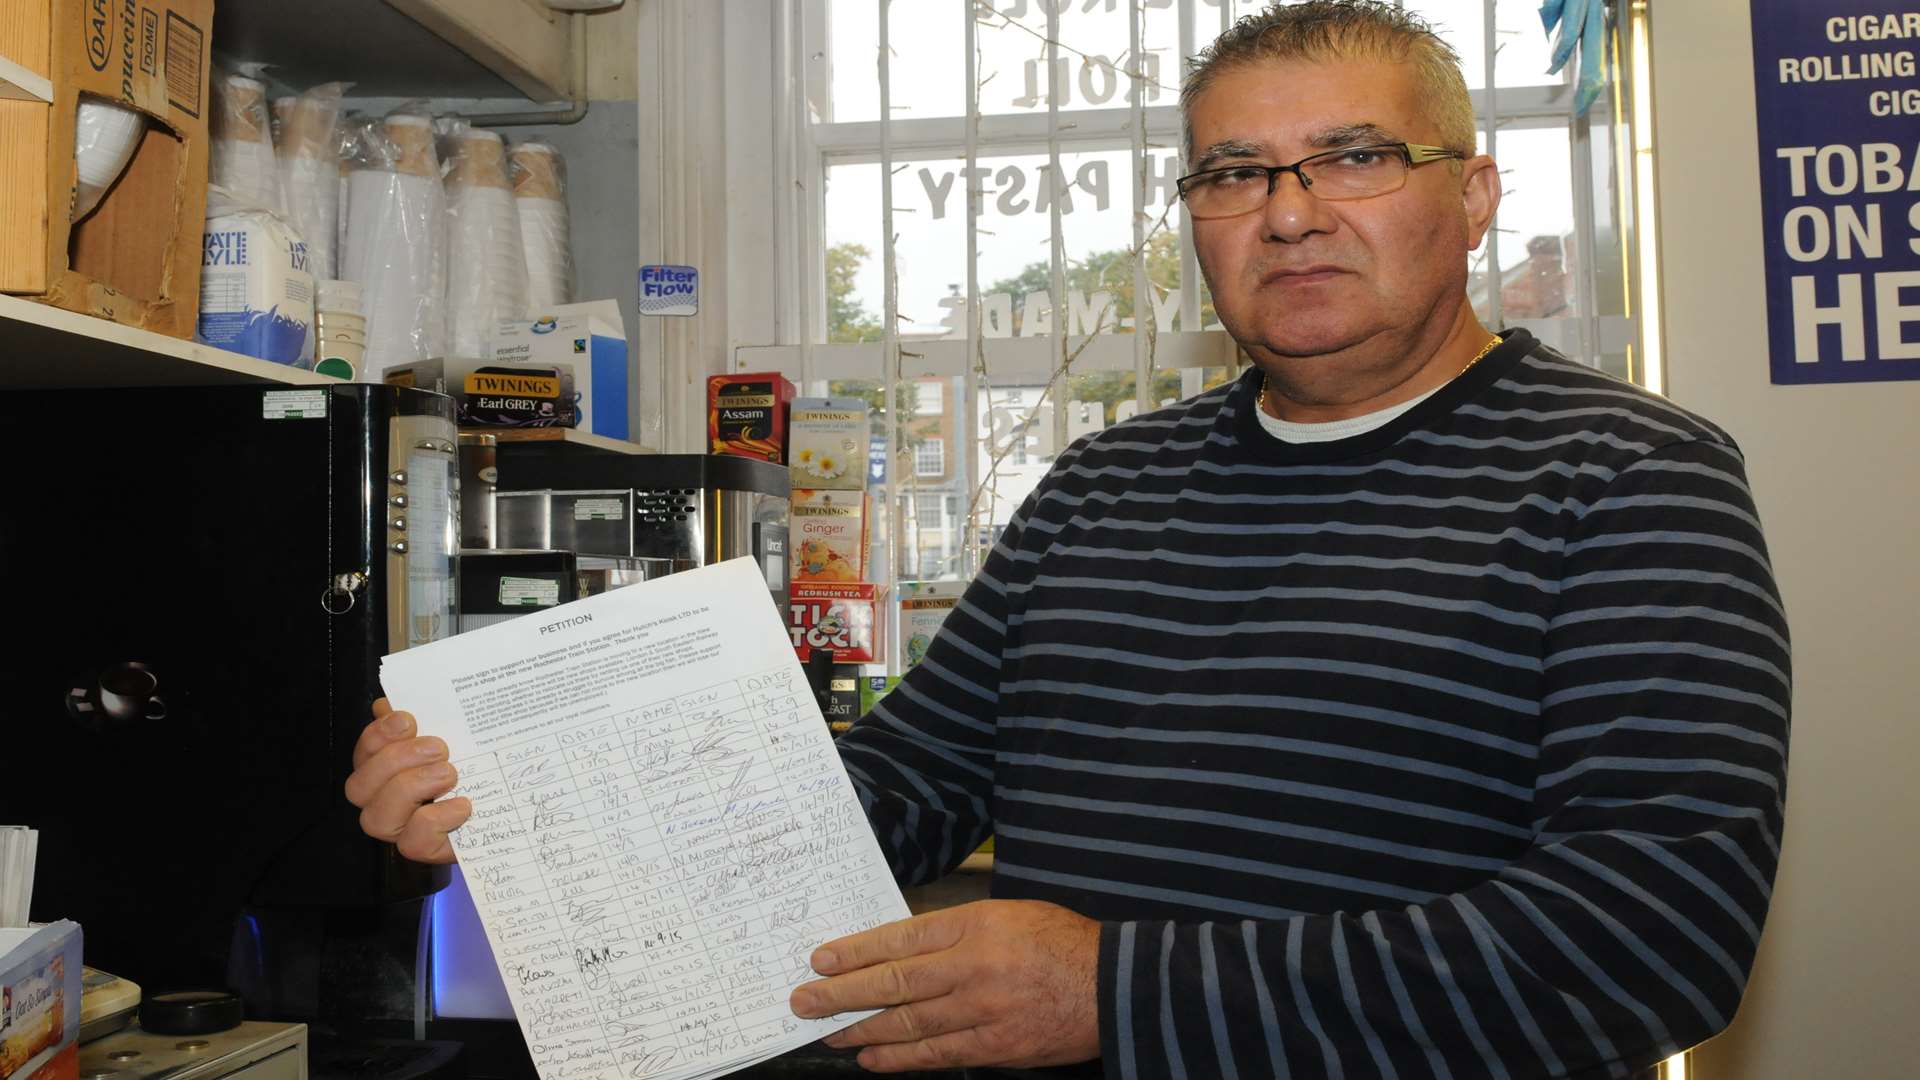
x=1265, y=401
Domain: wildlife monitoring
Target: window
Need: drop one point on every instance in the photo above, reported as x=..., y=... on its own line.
x=930, y=457
x=1013, y=223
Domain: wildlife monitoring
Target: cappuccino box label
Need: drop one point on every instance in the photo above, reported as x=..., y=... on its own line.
x=828, y=535
x=828, y=439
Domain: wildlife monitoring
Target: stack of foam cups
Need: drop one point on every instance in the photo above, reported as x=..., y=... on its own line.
x=310, y=171
x=396, y=244
x=242, y=160
x=105, y=136
x=539, y=191
x=486, y=269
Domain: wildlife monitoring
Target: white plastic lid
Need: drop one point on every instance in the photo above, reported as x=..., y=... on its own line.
x=338, y=295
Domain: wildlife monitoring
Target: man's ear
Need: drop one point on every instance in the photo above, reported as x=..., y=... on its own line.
x=1480, y=195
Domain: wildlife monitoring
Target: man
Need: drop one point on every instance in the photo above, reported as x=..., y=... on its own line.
x=1415, y=705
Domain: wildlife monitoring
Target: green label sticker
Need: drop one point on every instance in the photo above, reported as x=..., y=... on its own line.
x=529, y=592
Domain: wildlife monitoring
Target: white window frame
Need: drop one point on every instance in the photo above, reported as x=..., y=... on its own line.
x=805, y=150
x=937, y=444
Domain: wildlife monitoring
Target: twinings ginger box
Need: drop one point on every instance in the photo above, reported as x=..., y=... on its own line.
x=828, y=535
x=827, y=440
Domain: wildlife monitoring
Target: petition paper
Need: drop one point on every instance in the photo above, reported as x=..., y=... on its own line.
x=662, y=831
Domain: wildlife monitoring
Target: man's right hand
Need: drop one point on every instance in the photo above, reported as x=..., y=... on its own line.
x=396, y=777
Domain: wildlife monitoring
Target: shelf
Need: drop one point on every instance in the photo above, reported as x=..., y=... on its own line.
x=567, y=436
x=404, y=48
x=20, y=84
x=47, y=348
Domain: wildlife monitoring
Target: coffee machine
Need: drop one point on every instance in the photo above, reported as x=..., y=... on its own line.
x=680, y=510
x=203, y=583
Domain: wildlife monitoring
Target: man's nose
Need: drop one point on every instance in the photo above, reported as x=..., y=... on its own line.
x=1292, y=211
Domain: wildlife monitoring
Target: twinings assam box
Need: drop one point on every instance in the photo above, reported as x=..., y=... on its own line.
x=747, y=415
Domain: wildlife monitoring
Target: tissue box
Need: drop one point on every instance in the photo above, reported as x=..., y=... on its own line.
x=588, y=341
x=136, y=259
x=40, y=1002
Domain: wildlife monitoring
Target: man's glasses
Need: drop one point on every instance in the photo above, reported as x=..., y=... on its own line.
x=1355, y=172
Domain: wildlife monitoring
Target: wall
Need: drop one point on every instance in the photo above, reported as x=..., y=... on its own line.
x=1833, y=467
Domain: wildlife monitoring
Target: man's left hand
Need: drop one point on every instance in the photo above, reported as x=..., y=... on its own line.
x=999, y=982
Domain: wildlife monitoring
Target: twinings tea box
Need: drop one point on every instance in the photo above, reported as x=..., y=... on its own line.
x=827, y=440
x=843, y=698
x=873, y=688
x=923, y=607
x=828, y=535
x=747, y=415
x=847, y=618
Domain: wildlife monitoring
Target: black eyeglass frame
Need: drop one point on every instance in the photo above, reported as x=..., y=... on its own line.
x=1414, y=154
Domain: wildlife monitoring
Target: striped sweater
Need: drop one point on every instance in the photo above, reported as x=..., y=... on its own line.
x=1455, y=748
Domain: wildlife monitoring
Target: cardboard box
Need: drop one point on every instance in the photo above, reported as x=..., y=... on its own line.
x=828, y=534
x=747, y=415
x=40, y=1002
x=843, y=698
x=923, y=607
x=494, y=395
x=873, y=688
x=827, y=440
x=589, y=342
x=136, y=259
x=848, y=618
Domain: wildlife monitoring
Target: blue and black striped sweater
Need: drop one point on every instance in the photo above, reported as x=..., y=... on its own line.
x=1456, y=748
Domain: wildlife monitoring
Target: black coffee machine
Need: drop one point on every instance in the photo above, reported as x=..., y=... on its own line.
x=202, y=584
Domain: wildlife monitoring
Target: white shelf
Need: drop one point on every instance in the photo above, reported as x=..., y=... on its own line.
x=19, y=84
x=483, y=49
x=46, y=348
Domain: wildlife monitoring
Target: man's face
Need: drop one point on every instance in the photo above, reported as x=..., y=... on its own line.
x=1302, y=276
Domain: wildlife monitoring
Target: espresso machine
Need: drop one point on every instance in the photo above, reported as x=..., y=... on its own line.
x=203, y=583
x=672, y=511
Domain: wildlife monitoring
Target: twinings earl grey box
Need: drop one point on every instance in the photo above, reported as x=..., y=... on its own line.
x=827, y=439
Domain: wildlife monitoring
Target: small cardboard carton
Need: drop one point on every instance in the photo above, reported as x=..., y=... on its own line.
x=495, y=395
x=747, y=415
x=848, y=618
x=923, y=607
x=135, y=259
x=828, y=440
x=828, y=535
x=588, y=341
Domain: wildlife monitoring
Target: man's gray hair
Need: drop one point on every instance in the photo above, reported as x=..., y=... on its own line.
x=1320, y=30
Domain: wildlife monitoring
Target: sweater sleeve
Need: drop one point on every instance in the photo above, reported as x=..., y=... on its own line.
x=922, y=759
x=1625, y=932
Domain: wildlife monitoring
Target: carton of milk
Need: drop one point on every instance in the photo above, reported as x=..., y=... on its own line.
x=590, y=339
x=256, y=292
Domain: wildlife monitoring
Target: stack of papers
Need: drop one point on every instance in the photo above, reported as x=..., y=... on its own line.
x=662, y=831
x=17, y=846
